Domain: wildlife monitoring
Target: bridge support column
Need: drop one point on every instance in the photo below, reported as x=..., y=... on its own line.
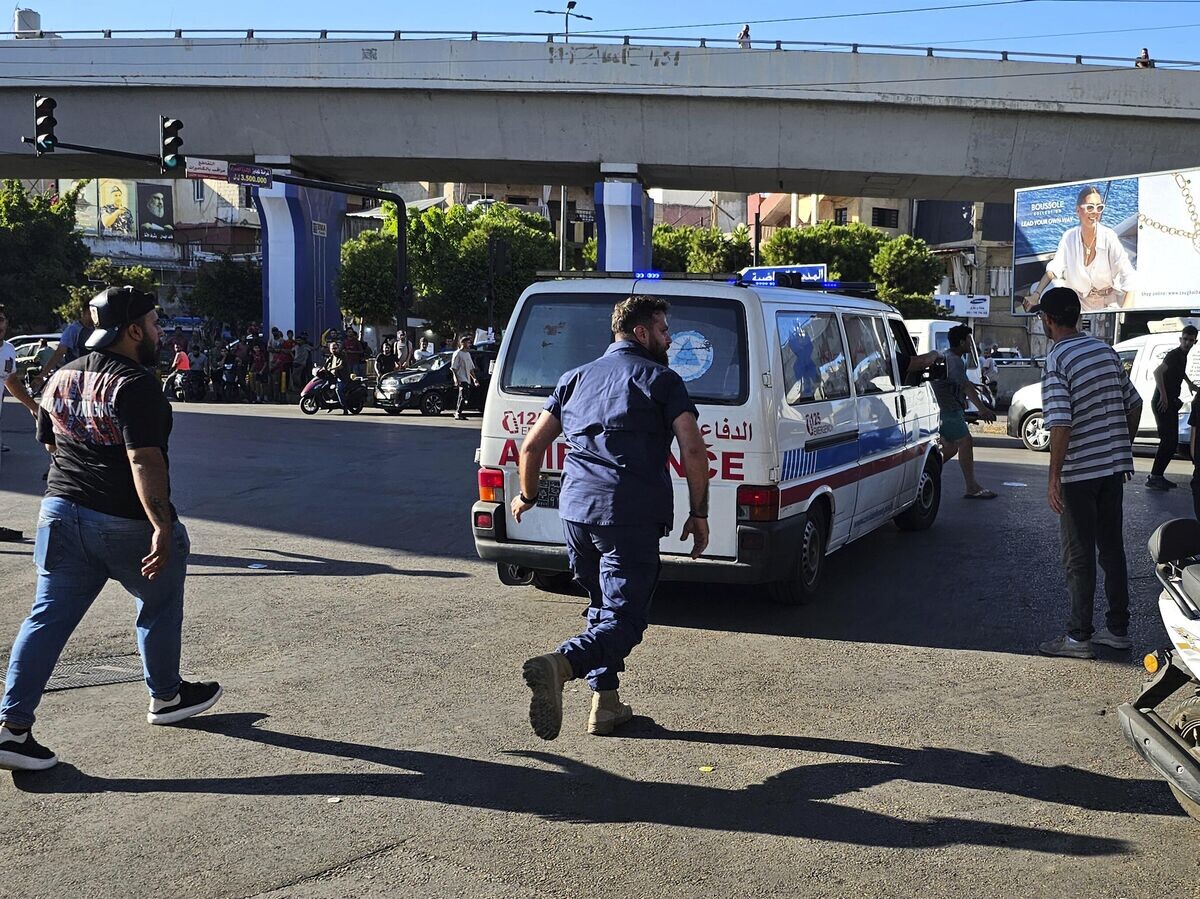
x=301, y=244
x=624, y=225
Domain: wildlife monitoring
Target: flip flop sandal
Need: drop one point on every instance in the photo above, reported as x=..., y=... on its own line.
x=982, y=494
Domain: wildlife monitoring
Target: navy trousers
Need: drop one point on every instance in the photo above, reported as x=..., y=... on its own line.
x=618, y=566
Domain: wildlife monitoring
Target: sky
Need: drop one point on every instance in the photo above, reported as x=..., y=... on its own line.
x=1120, y=28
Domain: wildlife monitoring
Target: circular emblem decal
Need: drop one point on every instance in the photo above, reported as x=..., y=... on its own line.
x=690, y=355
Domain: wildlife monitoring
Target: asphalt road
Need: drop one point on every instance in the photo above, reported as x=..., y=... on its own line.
x=898, y=737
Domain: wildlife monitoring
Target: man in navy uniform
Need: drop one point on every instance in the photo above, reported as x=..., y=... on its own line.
x=619, y=415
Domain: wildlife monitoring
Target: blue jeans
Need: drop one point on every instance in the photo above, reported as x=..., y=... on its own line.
x=340, y=388
x=77, y=551
x=618, y=566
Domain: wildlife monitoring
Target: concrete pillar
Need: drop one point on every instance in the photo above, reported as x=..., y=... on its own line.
x=301, y=243
x=795, y=217
x=624, y=226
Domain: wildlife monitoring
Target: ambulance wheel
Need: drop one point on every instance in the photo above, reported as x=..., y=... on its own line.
x=921, y=514
x=554, y=582
x=514, y=575
x=802, y=586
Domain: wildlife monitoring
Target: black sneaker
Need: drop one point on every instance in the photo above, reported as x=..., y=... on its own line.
x=192, y=699
x=21, y=752
x=8, y=535
x=1158, y=482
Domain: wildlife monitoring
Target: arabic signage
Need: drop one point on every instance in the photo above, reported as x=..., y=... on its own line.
x=1120, y=243
x=765, y=275
x=199, y=167
x=252, y=175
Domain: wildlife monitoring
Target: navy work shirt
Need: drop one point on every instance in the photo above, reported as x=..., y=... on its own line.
x=616, y=416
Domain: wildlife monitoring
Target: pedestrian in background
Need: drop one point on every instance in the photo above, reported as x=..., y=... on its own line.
x=1144, y=61
x=743, y=37
x=302, y=361
x=107, y=515
x=462, y=369
x=403, y=350
x=424, y=350
x=1092, y=412
x=952, y=393
x=257, y=373
x=619, y=415
x=386, y=362
x=353, y=350
x=1168, y=382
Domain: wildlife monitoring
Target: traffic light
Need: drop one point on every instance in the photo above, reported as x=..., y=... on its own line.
x=169, y=142
x=44, y=139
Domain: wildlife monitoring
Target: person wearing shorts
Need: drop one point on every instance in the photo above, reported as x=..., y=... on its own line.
x=952, y=393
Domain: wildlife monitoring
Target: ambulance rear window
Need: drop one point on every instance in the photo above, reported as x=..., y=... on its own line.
x=559, y=332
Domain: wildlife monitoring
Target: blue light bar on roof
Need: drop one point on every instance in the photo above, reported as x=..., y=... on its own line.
x=647, y=276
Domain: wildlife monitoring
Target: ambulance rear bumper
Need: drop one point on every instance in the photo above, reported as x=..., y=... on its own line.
x=766, y=552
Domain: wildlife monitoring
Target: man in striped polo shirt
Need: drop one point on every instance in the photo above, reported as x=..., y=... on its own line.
x=1092, y=411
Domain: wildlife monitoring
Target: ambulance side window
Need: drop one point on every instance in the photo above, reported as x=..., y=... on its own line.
x=872, y=364
x=814, y=357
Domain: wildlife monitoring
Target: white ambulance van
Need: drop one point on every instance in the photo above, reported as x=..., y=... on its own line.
x=812, y=437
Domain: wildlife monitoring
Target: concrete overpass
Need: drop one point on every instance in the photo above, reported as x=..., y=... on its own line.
x=854, y=123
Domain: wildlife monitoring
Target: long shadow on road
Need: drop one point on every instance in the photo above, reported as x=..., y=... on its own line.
x=792, y=803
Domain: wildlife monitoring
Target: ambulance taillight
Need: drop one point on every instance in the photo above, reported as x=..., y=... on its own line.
x=491, y=485
x=757, y=503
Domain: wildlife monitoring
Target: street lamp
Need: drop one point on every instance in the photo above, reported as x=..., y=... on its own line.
x=567, y=14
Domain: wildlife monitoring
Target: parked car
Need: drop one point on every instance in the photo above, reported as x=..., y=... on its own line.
x=27, y=353
x=22, y=339
x=428, y=386
x=1140, y=356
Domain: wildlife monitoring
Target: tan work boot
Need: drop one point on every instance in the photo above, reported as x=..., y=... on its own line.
x=607, y=712
x=545, y=675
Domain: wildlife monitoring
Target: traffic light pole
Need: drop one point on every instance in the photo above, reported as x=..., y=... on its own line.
x=403, y=287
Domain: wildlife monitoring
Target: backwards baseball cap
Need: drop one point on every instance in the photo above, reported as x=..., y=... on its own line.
x=1058, y=302
x=113, y=309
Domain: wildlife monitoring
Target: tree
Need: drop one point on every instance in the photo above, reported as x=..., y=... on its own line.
x=670, y=248
x=366, y=284
x=228, y=290
x=739, y=251
x=100, y=274
x=917, y=306
x=41, y=254
x=708, y=253
x=448, y=261
x=905, y=266
x=846, y=249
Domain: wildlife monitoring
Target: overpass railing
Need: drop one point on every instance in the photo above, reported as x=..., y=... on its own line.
x=237, y=36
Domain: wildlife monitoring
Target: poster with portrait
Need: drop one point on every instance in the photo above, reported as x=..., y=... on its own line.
x=1120, y=243
x=85, y=206
x=116, y=216
x=155, y=211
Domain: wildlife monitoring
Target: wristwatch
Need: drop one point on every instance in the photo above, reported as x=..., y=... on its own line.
x=526, y=500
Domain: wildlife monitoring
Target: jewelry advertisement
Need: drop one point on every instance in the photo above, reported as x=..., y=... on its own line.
x=1120, y=243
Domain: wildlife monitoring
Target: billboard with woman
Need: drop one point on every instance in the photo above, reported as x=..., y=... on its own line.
x=1120, y=243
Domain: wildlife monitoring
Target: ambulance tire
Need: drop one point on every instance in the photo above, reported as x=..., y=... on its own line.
x=802, y=586
x=562, y=582
x=921, y=515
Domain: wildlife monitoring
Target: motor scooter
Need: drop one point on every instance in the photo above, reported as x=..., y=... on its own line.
x=319, y=393
x=1170, y=742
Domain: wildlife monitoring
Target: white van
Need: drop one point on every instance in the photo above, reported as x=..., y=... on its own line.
x=934, y=334
x=1140, y=356
x=813, y=441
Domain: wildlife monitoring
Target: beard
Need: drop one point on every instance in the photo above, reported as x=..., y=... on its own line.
x=147, y=351
x=660, y=353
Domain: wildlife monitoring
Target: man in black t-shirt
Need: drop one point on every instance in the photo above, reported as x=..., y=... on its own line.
x=107, y=515
x=1168, y=379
